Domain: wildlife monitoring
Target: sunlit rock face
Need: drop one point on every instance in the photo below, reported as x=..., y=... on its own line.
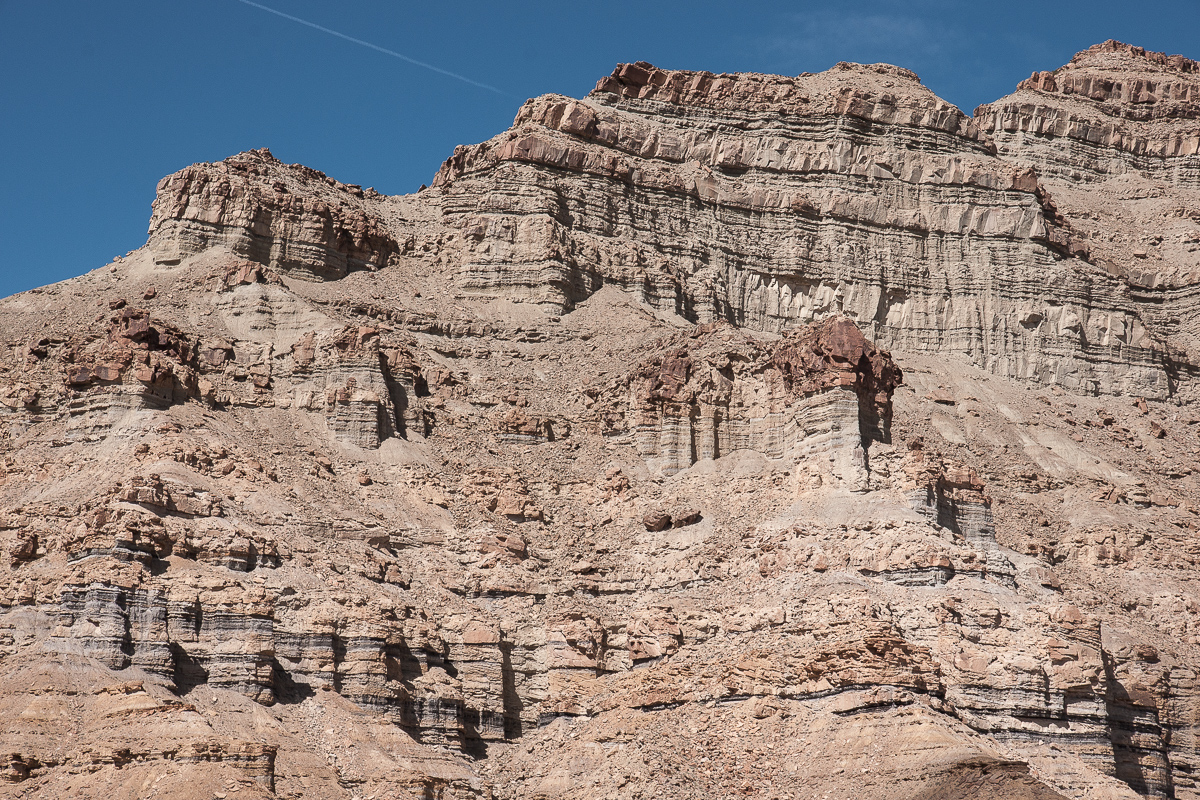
x=1115, y=109
x=771, y=201
x=292, y=219
x=709, y=436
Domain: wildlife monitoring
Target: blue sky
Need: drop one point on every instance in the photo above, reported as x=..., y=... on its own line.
x=100, y=100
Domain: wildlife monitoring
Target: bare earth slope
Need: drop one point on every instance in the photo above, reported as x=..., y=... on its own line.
x=712, y=435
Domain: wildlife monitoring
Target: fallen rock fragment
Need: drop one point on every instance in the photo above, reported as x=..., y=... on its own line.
x=684, y=517
x=656, y=521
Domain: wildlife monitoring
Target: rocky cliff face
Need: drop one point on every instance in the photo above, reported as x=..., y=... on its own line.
x=1114, y=109
x=709, y=435
x=821, y=390
x=1115, y=135
x=769, y=201
x=295, y=220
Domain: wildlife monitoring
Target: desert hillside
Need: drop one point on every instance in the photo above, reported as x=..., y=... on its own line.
x=709, y=436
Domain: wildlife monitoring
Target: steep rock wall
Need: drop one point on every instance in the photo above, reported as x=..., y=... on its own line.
x=822, y=391
x=1113, y=109
x=292, y=219
x=1115, y=135
x=770, y=201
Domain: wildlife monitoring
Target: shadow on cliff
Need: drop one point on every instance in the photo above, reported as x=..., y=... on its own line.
x=186, y=671
x=511, y=699
x=984, y=779
x=287, y=690
x=1136, y=737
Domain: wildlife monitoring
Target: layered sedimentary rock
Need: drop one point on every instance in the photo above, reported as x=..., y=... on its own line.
x=768, y=201
x=820, y=390
x=712, y=435
x=360, y=379
x=1114, y=109
x=297, y=221
x=1115, y=135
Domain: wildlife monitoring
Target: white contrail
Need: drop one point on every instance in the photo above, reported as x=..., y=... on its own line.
x=384, y=50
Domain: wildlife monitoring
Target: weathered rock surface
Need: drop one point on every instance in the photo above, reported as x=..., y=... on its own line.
x=292, y=219
x=769, y=201
x=1114, y=109
x=818, y=391
x=712, y=435
x=1115, y=136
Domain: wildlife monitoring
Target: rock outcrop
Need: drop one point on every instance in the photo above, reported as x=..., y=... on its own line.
x=1115, y=135
x=770, y=201
x=1114, y=109
x=820, y=391
x=712, y=435
x=290, y=218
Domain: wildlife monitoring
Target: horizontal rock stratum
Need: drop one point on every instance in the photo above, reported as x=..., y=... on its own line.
x=707, y=436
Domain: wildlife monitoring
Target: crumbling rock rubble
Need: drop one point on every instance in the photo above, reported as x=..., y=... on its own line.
x=711, y=435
